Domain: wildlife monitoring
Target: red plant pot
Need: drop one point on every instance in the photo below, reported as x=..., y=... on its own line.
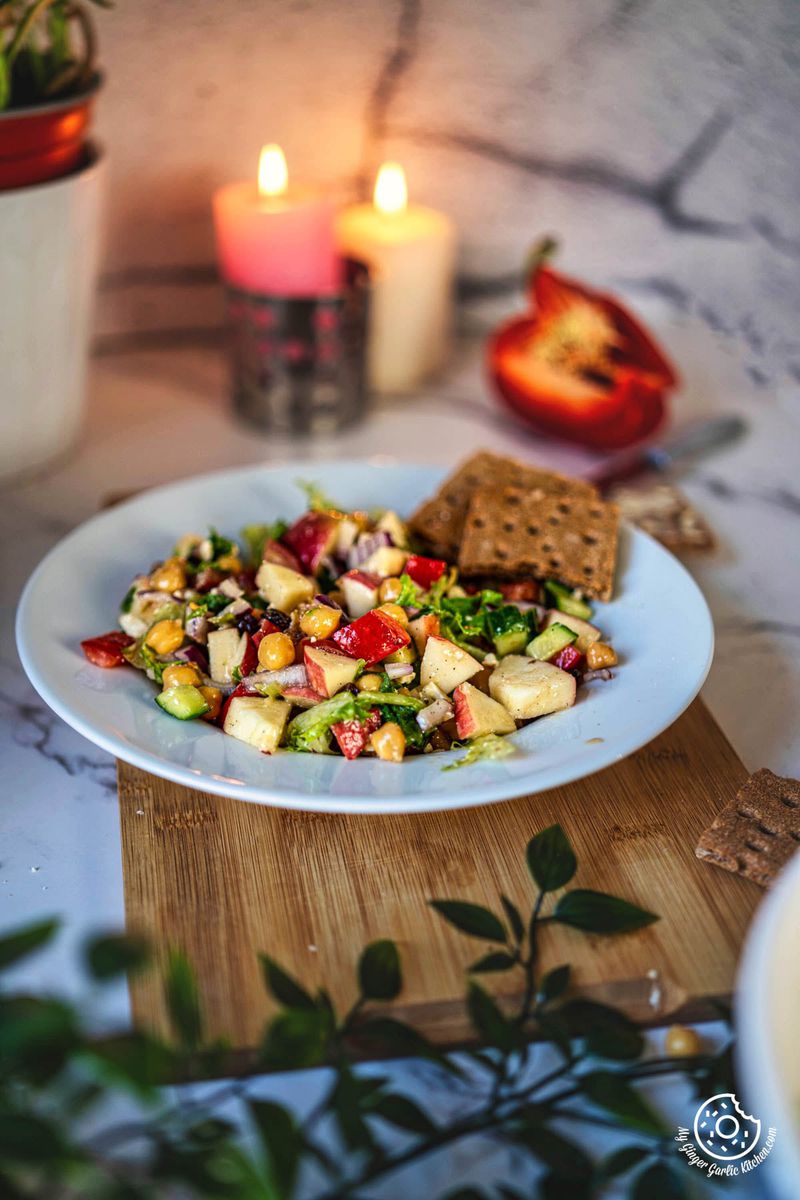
x=45, y=141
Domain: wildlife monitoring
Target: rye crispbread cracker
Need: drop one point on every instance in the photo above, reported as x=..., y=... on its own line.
x=757, y=833
x=573, y=538
x=667, y=515
x=440, y=520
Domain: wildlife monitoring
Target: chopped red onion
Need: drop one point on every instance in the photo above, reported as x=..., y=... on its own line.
x=366, y=546
x=193, y=654
x=321, y=598
x=435, y=714
x=602, y=673
x=197, y=628
x=293, y=676
x=399, y=670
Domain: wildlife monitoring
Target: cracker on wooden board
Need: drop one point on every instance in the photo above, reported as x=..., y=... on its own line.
x=756, y=833
x=666, y=514
x=440, y=520
x=511, y=532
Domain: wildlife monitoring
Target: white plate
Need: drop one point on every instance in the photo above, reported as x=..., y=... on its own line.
x=768, y=1028
x=660, y=626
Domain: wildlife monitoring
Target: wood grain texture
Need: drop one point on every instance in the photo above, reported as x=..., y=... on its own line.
x=224, y=880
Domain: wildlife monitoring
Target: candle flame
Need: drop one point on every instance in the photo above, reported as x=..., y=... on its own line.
x=391, y=193
x=273, y=174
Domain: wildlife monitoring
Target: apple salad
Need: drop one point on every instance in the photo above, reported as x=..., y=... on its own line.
x=334, y=636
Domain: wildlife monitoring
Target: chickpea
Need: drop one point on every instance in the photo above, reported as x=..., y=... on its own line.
x=395, y=612
x=169, y=577
x=164, y=637
x=181, y=673
x=406, y=654
x=276, y=650
x=369, y=683
x=390, y=589
x=389, y=742
x=682, y=1042
x=320, y=621
x=600, y=655
x=213, y=698
x=230, y=563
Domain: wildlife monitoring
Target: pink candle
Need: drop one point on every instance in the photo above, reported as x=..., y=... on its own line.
x=275, y=239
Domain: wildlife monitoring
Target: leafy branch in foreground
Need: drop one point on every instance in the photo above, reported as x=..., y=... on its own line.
x=55, y=1078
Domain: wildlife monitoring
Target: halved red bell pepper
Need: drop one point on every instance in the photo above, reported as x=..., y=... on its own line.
x=579, y=366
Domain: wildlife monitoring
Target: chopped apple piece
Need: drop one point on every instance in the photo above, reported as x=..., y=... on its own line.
x=386, y=561
x=301, y=695
x=421, y=628
x=257, y=720
x=327, y=672
x=477, y=713
x=527, y=688
x=226, y=650
x=311, y=538
x=390, y=523
x=282, y=587
x=586, y=633
x=360, y=592
x=446, y=664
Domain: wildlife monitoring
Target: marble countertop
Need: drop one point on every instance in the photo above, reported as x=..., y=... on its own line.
x=59, y=830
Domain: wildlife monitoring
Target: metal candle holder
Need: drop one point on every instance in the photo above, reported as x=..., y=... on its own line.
x=299, y=363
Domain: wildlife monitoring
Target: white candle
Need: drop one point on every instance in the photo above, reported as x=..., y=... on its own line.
x=411, y=253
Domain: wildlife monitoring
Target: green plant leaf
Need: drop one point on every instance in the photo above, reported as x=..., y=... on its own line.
x=610, y=1091
x=284, y=987
x=278, y=1133
x=495, y=960
x=392, y=1038
x=659, y=1182
x=136, y=1060
x=33, y=1139
x=596, y=912
x=492, y=1027
x=296, y=1038
x=469, y=918
x=22, y=942
x=37, y=1035
x=116, y=954
x=183, y=1001
x=513, y=917
x=404, y=1113
x=619, y=1162
x=5, y=83
x=557, y=1187
x=551, y=859
x=561, y=1155
x=555, y=982
x=607, y=1032
x=379, y=974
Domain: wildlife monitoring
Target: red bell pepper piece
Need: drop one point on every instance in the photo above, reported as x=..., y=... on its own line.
x=372, y=637
x=579, y=366
x=567, y=659
x=353, y=736
x=523, y=591
x=424, y=571
x=106, y=650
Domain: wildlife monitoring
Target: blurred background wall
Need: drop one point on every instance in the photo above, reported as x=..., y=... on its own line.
x=656, y=138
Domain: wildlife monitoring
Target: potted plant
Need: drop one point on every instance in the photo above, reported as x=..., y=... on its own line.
x=49, y=217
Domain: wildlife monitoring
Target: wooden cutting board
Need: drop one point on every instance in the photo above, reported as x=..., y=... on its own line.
x=224, y=879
